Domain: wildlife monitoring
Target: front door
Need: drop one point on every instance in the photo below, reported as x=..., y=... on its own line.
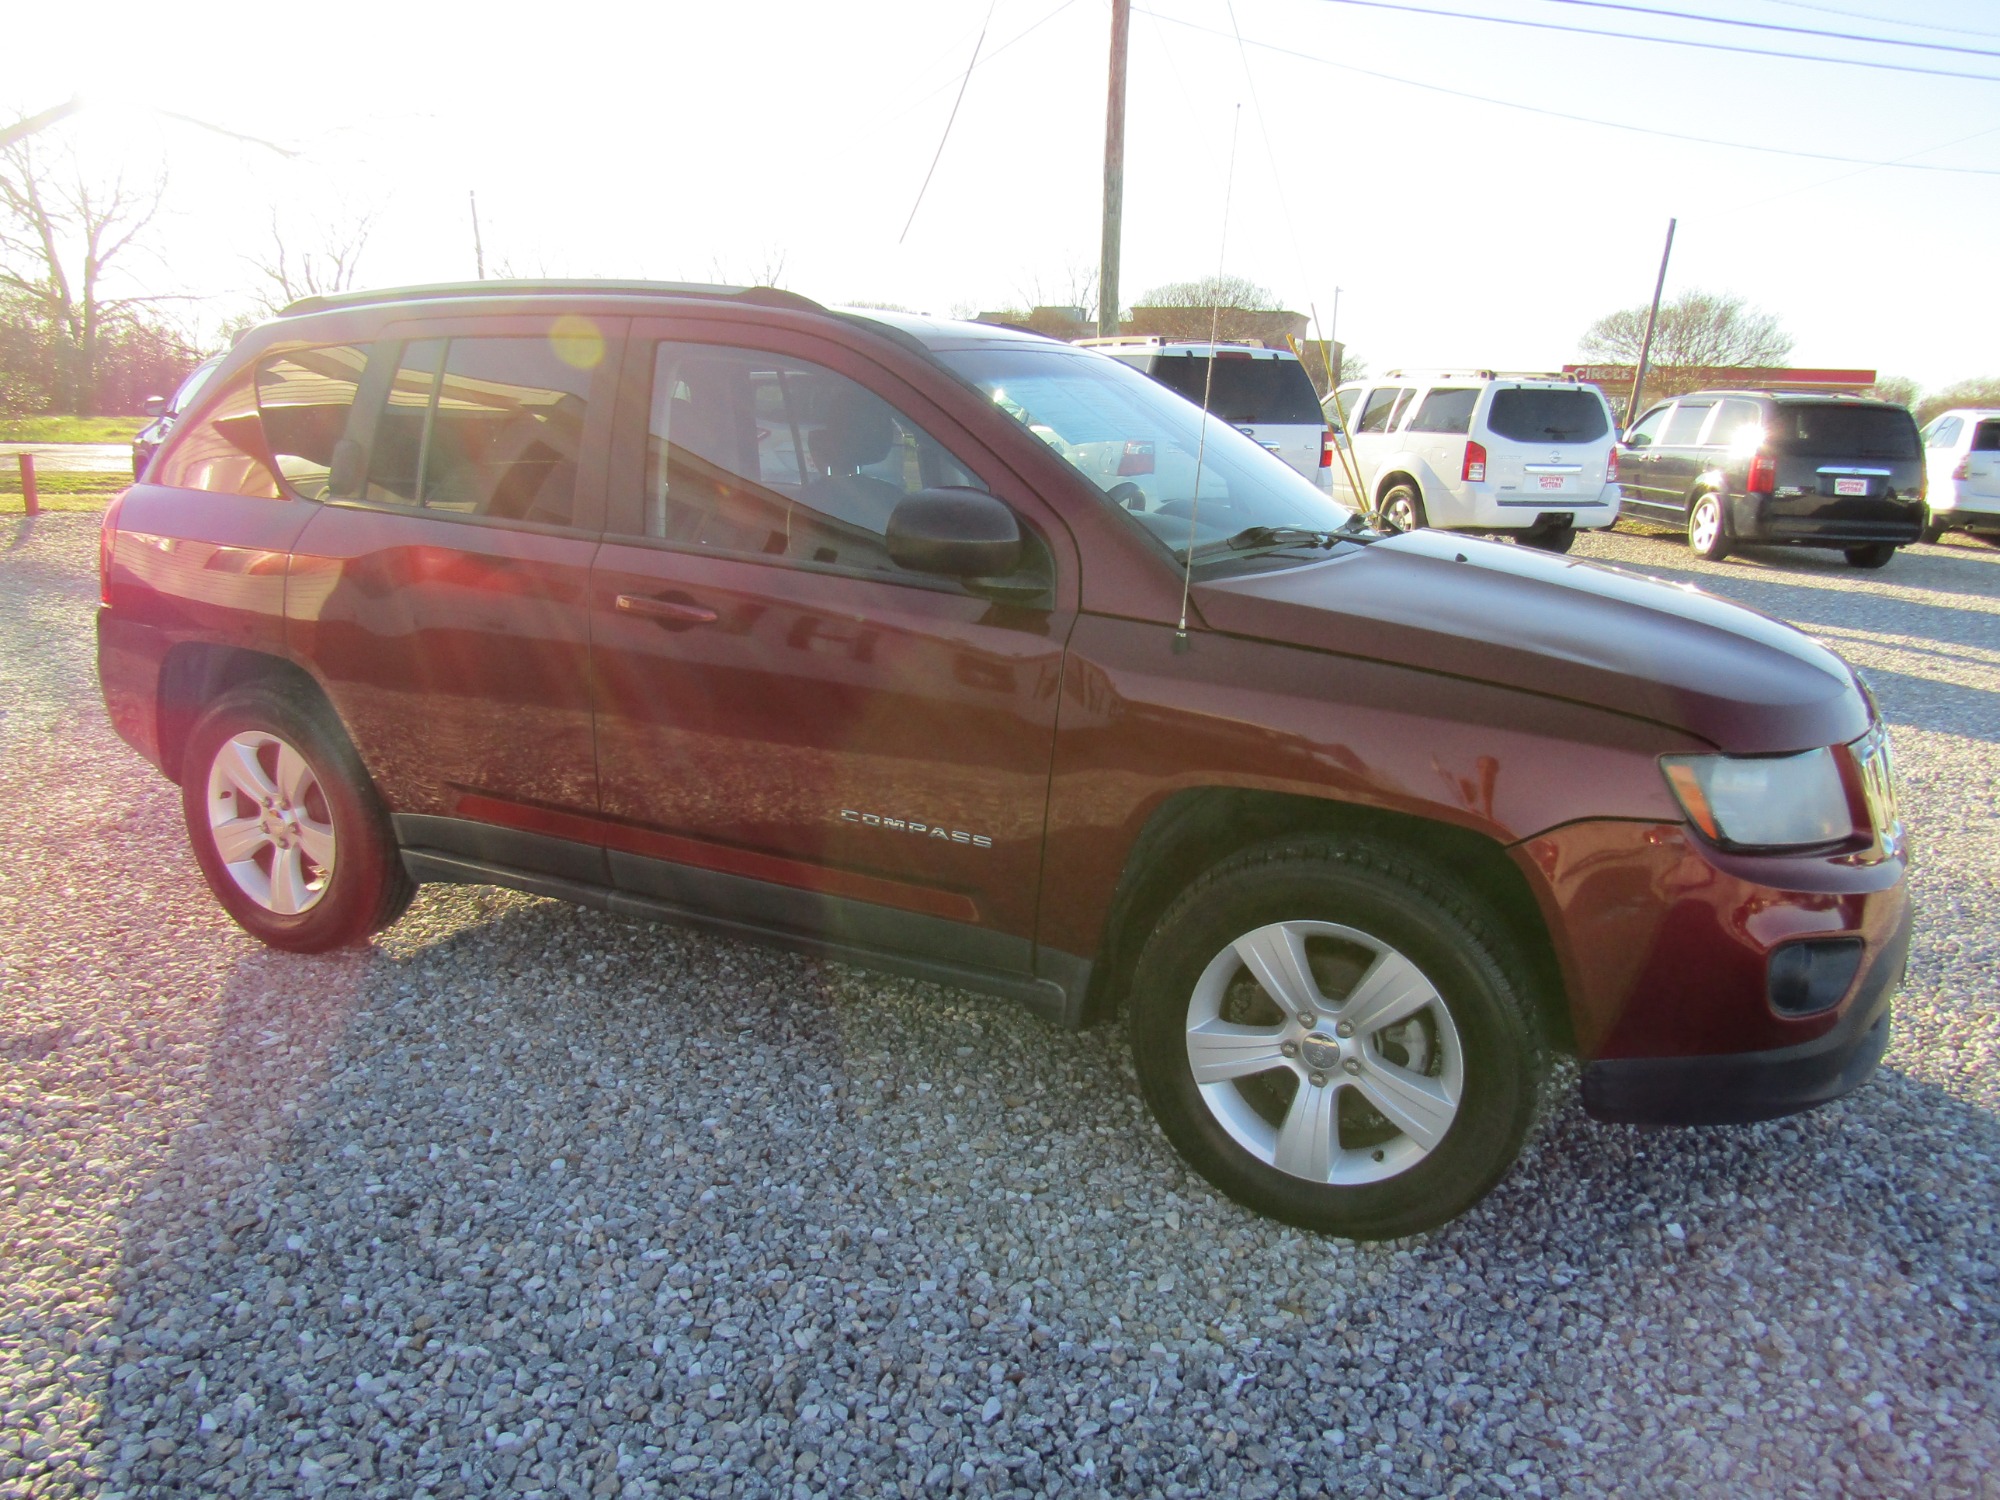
x=792, y=730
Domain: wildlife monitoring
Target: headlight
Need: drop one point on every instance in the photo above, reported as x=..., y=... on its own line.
x=1764, y=803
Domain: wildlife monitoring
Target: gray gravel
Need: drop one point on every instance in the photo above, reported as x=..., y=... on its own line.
x=531, y=1200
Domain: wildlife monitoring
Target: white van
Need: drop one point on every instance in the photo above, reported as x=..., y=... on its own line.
x=1962, y=473
x=1265, y=394
x=1478, y=450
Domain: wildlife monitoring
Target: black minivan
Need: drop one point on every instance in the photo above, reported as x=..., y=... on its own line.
x=1771, y=468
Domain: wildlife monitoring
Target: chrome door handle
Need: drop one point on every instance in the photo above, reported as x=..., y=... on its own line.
x=675, y=614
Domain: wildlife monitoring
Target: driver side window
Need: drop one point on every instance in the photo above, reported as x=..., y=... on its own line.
x=763, y=455
x=1646, y=431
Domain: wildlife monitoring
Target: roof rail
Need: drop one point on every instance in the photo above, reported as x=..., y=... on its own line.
x=1155, y=340
x=766, y=296
x=1450, y=373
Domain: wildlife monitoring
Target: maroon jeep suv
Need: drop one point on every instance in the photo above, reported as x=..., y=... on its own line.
x=962, y=654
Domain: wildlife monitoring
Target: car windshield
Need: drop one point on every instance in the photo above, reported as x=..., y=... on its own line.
x=1835, y=431
x=1143, y=448
x=191, y=386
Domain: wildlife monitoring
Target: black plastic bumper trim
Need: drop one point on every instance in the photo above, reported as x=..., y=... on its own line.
x=1739, y=1088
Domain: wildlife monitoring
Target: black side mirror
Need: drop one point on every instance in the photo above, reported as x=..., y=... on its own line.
x=156, y=406
x=957, y=532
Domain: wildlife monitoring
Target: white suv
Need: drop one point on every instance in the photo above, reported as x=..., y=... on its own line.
x=1962, y=473
x=1475, y=450
x=1265, y=394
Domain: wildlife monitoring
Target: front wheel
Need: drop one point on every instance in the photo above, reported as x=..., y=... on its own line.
x=1708, y=536
x=1403, y=508
x=1874, y=555
x=1328, y=1033
x=285, y=825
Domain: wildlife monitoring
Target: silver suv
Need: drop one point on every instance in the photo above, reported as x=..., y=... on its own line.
x=1479, y=450
x=1265, y=394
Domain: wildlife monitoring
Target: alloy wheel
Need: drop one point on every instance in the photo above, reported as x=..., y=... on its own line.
x=270, y=821
x=1705, y=524
x=1325, y=1053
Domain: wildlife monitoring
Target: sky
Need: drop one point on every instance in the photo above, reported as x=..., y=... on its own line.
x=1417, y=163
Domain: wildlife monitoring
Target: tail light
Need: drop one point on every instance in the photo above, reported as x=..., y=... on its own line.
x=1326, y=449
x=1763, y=474
x=1611, y=466
x=1475, y=463
x=1964, y=469
x=107, y=542
x=1137, y=459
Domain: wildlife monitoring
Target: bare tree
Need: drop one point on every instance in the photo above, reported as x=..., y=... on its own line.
x=1189, y=309
x=765, y=269
x=60, y=233
x=1698, y=332
x=314, y=261
x=1897, y=388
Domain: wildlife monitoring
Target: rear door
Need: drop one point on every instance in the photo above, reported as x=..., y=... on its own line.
x=1264, y=394
x=792, y=731
x=1982, y=464
x=1849, y=462
x=1546, y=445
x=1436, y=432
x=441, y=591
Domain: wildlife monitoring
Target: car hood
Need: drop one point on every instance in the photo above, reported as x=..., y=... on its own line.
x=1560, y=627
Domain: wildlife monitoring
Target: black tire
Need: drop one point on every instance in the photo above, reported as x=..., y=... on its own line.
x=1403, y=909
x=367, y=888
x=1708, y=527
x=1874, y=555
x=1550, y=538
x=1934, y=529
x=1403, y=507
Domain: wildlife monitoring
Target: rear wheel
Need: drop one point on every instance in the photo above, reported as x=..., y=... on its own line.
x=1403, y=507
x=1708, y=536
x=1874, y=555
x=1327, y=1032
x=285, y=826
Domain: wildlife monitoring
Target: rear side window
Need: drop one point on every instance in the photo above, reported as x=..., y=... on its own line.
x=1535, y=414
x=305, y=397
x=1445, y=411
x=762, y=455
x=1380, y=408
x=1944, y=432
x=1833, y=431
x=483, y=427
x=283, y=418
x=1986, y=438
x=1246, y=389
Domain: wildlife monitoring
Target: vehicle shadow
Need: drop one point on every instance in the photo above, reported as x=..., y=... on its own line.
x=510, y=1205
x=1971, y=572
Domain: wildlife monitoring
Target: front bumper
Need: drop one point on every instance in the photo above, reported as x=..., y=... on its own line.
x=1741, y=1087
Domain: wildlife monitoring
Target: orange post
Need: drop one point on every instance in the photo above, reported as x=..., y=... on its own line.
x=30, y=500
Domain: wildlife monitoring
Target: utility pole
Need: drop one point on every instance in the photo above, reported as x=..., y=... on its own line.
x=478, y=250
x=1114, y=172
x=1652, y=317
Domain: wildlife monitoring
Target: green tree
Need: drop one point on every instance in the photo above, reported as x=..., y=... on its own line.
x=1698, y=333
x=1982, y=390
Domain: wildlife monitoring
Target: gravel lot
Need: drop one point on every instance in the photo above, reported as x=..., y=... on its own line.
x=528, y=1199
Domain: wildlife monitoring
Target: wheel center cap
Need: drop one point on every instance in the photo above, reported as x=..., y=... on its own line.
x=1320, y=1053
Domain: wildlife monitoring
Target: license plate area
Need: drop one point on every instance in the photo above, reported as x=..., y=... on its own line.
x=1551, y=481
x=1850, y=486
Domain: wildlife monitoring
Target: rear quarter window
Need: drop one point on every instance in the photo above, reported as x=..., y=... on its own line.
x=1834, y=431
x=225, y=452
x=1534, y=414
x=1986, y=438
x=1446, y=411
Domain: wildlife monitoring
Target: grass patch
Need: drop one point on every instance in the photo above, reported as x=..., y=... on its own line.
x=60, y=491
x=70, y=429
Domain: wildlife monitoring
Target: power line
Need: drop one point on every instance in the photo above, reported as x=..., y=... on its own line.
x=1667, y=41
x=1557, y=114
x=1838, y=36
x=1869, y=15
x=949, y=119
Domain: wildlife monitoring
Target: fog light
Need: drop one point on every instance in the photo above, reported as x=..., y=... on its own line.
x=1807, y=978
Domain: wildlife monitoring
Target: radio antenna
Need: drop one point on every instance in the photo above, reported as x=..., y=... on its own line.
x=1208, y=379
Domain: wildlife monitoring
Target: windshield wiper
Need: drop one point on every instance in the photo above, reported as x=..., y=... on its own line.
x=1258, y=538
